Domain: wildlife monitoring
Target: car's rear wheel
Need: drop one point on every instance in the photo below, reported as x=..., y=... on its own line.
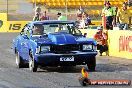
x=32, y=64
x=92, y=64
x=19, y=61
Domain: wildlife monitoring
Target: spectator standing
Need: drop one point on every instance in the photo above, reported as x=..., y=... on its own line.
x=82, y=21
x=115, y=10
x=61, y=17
x=36, y=17
x=37, y=14
x=81, y=9
x=124, y=17
x=38, y=10
x=44, y=17
x=101, y=39
x=87, y=20
x=109, y=13
x=80, y=13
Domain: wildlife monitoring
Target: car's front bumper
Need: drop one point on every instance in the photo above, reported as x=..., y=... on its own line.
x=52, y=59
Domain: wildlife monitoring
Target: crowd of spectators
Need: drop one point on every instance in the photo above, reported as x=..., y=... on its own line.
x=39, y=15
x=83, y=18
x=115, y=17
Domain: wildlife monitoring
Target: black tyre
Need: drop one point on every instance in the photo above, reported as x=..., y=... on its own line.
x=32, y=64
x=19, y=60
x=91, y=64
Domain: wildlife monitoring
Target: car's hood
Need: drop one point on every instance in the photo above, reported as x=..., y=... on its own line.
x=42, y=40
x=83, y=40
x=62, y=38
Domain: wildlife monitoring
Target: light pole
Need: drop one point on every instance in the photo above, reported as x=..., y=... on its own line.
x=66, y=7
x=128, y=3
x=104, y=1
x=35, y=3
x=7, y=8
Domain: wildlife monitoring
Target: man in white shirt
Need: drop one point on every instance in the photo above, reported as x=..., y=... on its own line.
x=60, y=17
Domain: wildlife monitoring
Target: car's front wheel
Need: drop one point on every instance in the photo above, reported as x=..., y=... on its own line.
x=32, y=64
x=91, y=64
x=19, y=61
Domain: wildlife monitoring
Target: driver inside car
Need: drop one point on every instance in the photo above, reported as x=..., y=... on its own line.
x=38, y=30
x=59, y=28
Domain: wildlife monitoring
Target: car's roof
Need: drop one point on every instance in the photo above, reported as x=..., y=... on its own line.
x=52, y=21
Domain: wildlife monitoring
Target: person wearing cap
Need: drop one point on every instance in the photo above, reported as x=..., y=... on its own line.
x=109, y=14
x=124, y=17
x=101, y=39
x=60, y=17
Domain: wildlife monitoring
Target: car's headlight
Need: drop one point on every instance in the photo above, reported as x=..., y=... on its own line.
x=45, y=48
x=87, y=47
x=38, y=49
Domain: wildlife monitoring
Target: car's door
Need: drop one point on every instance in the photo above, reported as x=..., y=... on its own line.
x=24, y=43
x=27, y=45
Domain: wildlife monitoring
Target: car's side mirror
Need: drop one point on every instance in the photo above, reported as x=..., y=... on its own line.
x=21, y=33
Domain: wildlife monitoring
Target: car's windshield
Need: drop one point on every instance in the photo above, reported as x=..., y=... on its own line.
x=40, y=29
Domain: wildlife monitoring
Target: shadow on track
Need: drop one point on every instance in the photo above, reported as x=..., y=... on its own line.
x=110, y=68
x=64, y=69
x=77, y=69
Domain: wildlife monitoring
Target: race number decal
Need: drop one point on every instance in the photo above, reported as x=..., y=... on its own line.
x=14, y=26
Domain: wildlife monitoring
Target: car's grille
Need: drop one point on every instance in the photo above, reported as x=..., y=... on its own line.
x=64, y=48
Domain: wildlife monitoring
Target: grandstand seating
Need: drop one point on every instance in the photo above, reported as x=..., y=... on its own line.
x=76, y=3
x=91, y=5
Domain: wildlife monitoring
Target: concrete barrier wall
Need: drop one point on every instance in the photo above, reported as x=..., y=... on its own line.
x=90, y=32
x=3, y=22
x=10, y=26
x=120, y=41
x=15, y=26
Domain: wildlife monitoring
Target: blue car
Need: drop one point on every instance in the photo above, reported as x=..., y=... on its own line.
x=53, y=43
